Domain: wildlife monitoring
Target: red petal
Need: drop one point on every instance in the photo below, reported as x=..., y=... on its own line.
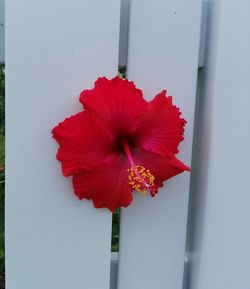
x=107, y=185
x=116, y=103
x=161, y=128
x=163, y=168
x=83, y=143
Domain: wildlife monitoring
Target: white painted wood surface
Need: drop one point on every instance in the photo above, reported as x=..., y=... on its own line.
x=54, y=50
x=220, y=242
x=163, y=53
x=2, y=24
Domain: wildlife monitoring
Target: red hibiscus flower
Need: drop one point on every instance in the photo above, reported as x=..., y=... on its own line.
x=120, y=143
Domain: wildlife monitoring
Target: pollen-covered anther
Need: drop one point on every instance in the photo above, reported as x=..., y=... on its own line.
x=142, y=180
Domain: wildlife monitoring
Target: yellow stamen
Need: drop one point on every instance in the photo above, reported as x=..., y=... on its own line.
x=140, y=179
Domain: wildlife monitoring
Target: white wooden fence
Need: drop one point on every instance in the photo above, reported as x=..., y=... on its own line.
x=2, y=31
x=54, y=49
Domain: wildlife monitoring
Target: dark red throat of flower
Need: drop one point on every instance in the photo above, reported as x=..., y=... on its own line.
x=139, y=178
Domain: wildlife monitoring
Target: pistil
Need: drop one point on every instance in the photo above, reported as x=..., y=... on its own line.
x=127, y=151
x=139, y=177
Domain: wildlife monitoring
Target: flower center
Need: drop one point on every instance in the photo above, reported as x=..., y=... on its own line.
x=139, y=177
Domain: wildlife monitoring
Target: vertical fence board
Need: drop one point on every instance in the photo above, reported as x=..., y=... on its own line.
x=54, y=49
x=2, y=24
x=163, y=53
x=220, y=239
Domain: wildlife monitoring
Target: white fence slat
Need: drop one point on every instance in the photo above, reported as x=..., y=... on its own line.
x=2, y=24
x=163, y=53
x=221, y=202
x=54, y=49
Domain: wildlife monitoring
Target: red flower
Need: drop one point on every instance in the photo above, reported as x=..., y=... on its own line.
x=120, y=143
